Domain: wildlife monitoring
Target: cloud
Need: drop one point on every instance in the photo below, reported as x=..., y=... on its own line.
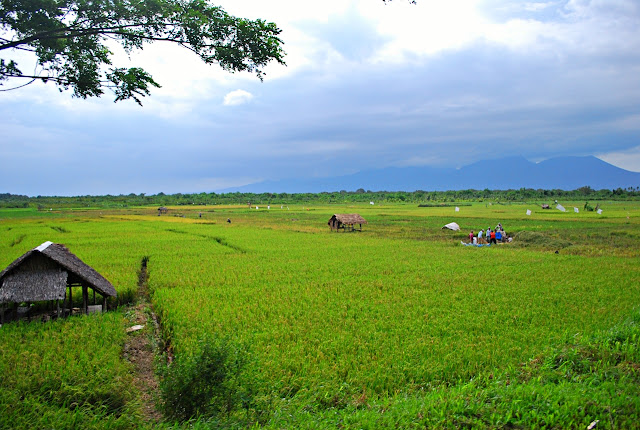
x=368, y=86
x=537, y=6
x=628, y=159
x=350, y=34
x=237, y=97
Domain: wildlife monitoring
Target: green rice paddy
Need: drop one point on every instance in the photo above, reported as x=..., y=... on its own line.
x=398, y=325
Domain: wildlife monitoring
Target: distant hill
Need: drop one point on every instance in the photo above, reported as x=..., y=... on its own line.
x=565, y=173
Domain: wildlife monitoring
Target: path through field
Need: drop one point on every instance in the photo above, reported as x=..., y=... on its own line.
x=139, y=351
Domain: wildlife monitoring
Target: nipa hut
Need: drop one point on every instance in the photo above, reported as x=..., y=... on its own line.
x=346, y=222
x=47, y=273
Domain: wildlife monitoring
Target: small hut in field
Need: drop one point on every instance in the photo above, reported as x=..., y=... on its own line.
x=50, y=273
x=346, y=222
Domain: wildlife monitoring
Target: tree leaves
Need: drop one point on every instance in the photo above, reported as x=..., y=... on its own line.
x=131, y=83
x=69, y=39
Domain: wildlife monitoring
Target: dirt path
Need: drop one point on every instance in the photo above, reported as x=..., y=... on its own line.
x=139, y=350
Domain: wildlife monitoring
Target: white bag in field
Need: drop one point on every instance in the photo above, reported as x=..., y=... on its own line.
x=452, y=226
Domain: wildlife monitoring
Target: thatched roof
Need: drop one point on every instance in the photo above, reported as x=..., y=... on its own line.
x=43, y=274
x=349, y=218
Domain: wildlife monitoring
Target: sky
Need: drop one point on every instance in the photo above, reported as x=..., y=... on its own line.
x=367, y=85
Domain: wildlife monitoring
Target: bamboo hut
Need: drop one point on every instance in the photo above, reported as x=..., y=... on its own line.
x=346, y=222
x=48, y=273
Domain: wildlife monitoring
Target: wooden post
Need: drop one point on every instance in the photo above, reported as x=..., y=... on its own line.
x=70, y=300
x=58, y=308
x=104, y=303
x=64, y=302
x=94, y=296
x=85, y=299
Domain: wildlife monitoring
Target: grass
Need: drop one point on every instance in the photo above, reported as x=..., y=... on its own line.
x=66, y=374
x=335, y=316
x=581, y=381
x=394, y=326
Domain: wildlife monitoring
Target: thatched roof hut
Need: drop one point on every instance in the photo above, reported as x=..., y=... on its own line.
x=345, y=221
x=45, y=272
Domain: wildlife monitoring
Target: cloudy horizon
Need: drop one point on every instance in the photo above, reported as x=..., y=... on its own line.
x=367, y=85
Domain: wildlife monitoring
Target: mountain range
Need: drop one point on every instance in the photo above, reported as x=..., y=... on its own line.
x=565, y=173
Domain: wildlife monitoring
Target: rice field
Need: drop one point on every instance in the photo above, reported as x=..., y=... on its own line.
x=338, y=329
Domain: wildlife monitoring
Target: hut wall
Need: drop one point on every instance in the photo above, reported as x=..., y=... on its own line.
x=33, y=286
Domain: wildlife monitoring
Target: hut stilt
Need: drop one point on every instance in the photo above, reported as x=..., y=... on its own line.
x=85, y=300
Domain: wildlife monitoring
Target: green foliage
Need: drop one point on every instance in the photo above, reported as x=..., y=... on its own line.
x=66, y=374
x=69, y=39
x=206, y=383
x=397, y=326
x=422, y=198
x=582, y=380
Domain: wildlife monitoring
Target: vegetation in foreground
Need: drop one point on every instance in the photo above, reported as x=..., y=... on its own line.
x=583, y=381
x=66, y=374
x=397, y=325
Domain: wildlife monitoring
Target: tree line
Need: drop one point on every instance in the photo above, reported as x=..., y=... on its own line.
x=8, y=200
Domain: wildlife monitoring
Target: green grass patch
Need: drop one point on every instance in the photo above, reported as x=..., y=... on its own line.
x=395, y=326
x=66, y=374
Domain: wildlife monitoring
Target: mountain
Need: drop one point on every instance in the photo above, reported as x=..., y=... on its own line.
x=566, y=173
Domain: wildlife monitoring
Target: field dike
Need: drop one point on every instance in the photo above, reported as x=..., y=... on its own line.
x=139, y=349
x=220, y=240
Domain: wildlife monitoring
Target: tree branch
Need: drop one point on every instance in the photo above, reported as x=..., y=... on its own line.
x=68, y=38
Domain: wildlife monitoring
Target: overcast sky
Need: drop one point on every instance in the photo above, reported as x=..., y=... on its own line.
x=367, y=85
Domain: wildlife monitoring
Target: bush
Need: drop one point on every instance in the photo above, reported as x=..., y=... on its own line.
x=209, y=384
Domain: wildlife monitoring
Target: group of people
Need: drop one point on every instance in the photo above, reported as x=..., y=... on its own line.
x=489, y=236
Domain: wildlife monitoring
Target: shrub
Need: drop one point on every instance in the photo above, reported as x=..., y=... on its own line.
x=208, y=384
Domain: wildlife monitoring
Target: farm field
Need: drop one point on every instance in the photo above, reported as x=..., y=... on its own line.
x=398, y=325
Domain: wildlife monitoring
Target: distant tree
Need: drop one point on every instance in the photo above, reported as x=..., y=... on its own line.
x=69, y=40
x=586, y=190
